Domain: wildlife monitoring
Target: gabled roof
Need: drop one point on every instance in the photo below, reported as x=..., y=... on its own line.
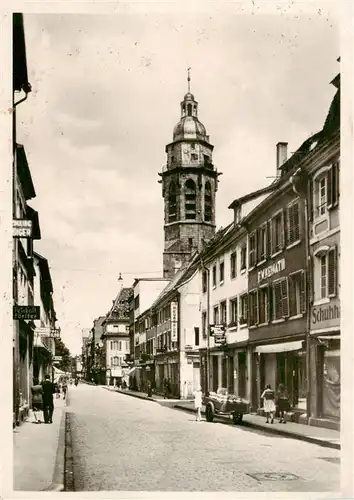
x=19, y=73
x=120, y=307
x=24, y=173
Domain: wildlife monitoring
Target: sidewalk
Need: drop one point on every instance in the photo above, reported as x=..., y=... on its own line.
x=39, y=452
x=142, y=395
x=324, y=437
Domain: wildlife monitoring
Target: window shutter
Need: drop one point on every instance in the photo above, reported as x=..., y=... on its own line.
x=332, y=272
x=270, y=303
x=335, y=183
x=330, y=187
x=303, y=292
x=285, y=297
x=285, y=233
x=256, y=308
x=278, y=311
x=269, y=238
x=292, y=294
x=310, y=200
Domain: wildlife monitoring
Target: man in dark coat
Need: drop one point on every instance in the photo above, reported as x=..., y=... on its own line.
x=48, y=405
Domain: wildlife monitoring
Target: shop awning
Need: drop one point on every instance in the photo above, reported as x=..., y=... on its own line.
x=328, y=337
x=284, y=347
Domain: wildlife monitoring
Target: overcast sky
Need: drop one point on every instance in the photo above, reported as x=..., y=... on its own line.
x=106, y=96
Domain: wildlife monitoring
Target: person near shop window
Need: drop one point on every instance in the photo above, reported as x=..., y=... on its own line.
x=37, y=399
x=282, y=402
x=268, y=403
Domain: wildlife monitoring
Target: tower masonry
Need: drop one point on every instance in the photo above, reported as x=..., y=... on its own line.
x=189, y=183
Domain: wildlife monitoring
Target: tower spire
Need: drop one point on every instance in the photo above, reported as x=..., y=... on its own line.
x=189, y=79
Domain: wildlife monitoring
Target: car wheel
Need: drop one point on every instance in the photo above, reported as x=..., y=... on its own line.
x=209, y=413
x=237, y=418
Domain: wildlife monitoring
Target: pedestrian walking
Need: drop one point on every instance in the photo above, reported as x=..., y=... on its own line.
x=65, y=388
x=165, y=389
x=268, y=403
x=37, y=399
x=198, y=403
x=282, y=402
x=48, y=404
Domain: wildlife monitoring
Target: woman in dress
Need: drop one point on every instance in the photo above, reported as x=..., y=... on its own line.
x=37, y=399
x=198, y=403
x=282, y=402
x=268, y=403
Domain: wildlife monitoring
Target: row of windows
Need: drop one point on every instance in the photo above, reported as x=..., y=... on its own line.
x=116, y=361
x=218, y=271
x=190, y=197
x=120, y=345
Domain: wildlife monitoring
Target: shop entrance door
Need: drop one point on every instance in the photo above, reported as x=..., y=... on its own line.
x=231, y=375
x=242, y=374
x=215, y=373
x=224, y=372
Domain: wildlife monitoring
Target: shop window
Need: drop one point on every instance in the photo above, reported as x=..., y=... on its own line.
x=233, y=264
x=252, y=257
x=262, y=242
x=172, y=203
x=216, y=315
x=253, y=308
x=233, y=311
x=243, y=309
x=280, y=298
x=221, y=272
x=277, y=232
x=243, y=257
x=207, y=202
x=190, y=199
x=223, y=314
x=293, y=222
x=263, y=303
x=214, y=276
x=205, y=281
x=297, y=293
x=204, y=324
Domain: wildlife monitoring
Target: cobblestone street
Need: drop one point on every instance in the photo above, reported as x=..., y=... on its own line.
x=123, y=443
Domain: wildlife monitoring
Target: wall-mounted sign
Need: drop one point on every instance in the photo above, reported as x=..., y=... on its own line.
x=174, y=322
x=26, y=312
x=47, y=331
x=326, y=315
x=269, y=271
x=21, y=228
x=57, y=358
x=218, y=334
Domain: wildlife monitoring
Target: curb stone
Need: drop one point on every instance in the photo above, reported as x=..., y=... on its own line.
x=58, y=474
x=270, y=430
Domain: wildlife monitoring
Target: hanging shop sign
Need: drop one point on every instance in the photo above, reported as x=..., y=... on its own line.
x=269, y=271
x=57, y=358
x=26, y=312
x=47, y=331
x=21, y=228
x=174, y=321
x=326, y=315
x=218, y=334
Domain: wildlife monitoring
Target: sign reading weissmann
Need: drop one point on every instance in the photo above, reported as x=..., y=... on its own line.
x=269, y=271
x=174, y=322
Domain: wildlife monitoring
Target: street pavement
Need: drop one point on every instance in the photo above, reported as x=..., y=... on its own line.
x=128, y=444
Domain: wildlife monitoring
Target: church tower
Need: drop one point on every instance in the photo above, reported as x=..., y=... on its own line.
x=189, y=183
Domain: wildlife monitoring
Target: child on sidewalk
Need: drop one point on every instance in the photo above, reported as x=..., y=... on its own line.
x=198, y=403
x=268, y=403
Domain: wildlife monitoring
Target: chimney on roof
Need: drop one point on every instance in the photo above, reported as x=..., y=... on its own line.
x=282, y=156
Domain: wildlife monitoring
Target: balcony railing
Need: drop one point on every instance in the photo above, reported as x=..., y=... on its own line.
x=197, y=164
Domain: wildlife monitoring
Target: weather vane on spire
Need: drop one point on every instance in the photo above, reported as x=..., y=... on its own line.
x=189, y=79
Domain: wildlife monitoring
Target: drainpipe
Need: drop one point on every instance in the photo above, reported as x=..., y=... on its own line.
x=294, y=179
x=207, y=270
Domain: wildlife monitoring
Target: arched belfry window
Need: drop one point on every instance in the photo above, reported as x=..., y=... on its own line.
x=172, y=203
x=190, y=194
x=189, y=109
x=207, y=202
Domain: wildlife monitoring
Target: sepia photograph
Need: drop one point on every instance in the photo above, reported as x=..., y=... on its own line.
x=176, y=249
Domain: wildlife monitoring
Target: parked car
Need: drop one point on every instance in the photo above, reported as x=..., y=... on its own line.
x=223, y=403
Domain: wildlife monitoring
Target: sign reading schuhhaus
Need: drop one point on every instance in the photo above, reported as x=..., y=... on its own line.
x=326, y=315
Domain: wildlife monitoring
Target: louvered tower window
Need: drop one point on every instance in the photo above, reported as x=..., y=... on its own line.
x=172, y=203
x=207, y=202
x=190, y=199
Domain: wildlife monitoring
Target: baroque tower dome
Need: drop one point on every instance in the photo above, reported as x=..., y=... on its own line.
x=189, y=126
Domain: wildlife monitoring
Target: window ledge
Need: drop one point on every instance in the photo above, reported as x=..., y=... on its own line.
x=319, y=302
x=221, y=283
x=252, y=327
x=261, y=262
x=294, y=244
x=281, y=320
x=297, y=316
x=320, y=218
x=244, y=325
x=214, y=286
x=243, y=271
x=276, y=253
x=251, y=268
x=263, y=324
x=232, y=328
